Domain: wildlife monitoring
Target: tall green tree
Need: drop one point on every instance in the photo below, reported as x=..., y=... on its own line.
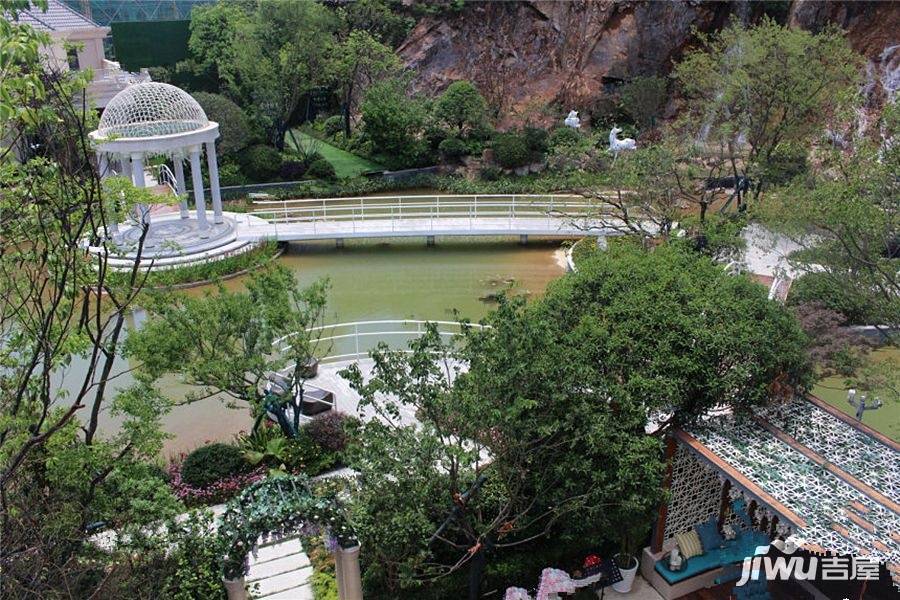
x=230, y=343
x=461, y=108
x=505, y=453
x=268, y=56
x=357, y=63
x=62, y=324
x=394, y=122
x=753, y=90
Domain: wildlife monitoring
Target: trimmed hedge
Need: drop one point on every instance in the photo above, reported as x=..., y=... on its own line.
x=209, y=464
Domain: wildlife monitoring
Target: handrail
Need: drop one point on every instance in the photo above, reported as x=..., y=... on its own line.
x=417, y=196
x=165, y=176
x=356, y=335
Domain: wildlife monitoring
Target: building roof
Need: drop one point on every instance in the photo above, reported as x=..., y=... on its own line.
x=835, y=480
x=57, y=18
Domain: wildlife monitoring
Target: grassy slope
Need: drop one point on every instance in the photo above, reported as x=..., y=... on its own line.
x=885, y=419
x=345, y=164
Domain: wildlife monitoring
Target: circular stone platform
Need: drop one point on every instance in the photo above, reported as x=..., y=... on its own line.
x=170, y=236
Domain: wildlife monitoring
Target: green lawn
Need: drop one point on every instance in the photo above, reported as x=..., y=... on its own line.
x=345, y=164
x=885, y=420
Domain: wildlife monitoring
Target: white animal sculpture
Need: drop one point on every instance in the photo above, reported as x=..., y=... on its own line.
x=728, y=531
x=675, y=560
x=572, y=120
x=616, y=145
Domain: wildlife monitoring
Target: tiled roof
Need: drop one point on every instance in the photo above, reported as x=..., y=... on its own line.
x=840, y=478
x=58, y=17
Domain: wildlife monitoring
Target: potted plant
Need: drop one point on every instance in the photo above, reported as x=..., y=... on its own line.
x=626, y=560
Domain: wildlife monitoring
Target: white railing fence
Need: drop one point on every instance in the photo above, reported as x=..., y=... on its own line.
x=164, y=176
x=354, y=340
x=464, y=208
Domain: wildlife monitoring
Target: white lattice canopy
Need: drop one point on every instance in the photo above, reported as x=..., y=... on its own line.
x=147, y=110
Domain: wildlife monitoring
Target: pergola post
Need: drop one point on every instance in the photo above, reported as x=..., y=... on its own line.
x=137, y=178
x=199, y=199
x=180, y=186
x=214, y=190
x=347, y=573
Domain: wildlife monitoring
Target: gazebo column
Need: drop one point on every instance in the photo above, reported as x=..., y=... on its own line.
x=214, y=191
x=137, y=178
x=199, y=199
x=180, y=186
x=347, y=573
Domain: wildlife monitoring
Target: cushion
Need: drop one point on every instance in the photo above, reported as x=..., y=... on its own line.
x=709, y=535
x=689, y=544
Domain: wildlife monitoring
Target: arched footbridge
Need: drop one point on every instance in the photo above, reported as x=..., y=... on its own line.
x=549, y=215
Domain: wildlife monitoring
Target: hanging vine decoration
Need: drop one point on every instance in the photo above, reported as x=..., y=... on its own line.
x=274, y=507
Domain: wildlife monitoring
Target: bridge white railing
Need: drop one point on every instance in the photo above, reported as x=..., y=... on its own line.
x=164, y=176
x=354, y=340
x=466, y=208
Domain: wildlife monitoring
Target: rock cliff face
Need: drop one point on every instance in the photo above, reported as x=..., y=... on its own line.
x=530, y=55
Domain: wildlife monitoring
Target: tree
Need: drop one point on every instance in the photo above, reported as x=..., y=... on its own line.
x=672, y=331
x=643, y=98
x=393, y=121
x=754, y=89
x=461, y=108
x=506, y=452
x=232, y=343
x=234, y=128
x=847, y=220
x=355, y=64
x=214, y=32
x=267, y=58
x=376, y=18
x=658, y=187
x=60, y=473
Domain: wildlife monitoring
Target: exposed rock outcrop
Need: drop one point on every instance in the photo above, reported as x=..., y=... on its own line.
x=530, y=55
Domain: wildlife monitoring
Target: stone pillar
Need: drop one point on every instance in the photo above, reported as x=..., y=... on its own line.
x=180, y=186
x=199, y=199
x=137, y=178
x=214, y=191
x=347, y=573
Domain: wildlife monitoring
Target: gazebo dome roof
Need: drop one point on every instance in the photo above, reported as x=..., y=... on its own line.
x=147, y=110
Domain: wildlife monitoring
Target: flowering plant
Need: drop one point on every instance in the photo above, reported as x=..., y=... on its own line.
x=214, y=493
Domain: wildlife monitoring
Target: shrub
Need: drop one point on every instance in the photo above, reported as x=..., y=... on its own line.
x=643, y=99
x=230, y=174
x=208, y=464
x=490, y=173
x=292, y=170
x=822, y=289
x=235, y=132
x=321, y=169
x=453, y=148
x=536, y=139
x=303, y=454
x=333, y=125
x=461, y=108
x=511, y=150
x=787, y=162
x=564, y=136
x=260, y=163
x=329, y=430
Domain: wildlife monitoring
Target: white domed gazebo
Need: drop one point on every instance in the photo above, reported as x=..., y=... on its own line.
x=154, y=119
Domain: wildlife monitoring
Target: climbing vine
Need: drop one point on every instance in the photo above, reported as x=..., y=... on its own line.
x=278, y=506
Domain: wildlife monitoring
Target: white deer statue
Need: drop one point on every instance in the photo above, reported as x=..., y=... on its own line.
x=616, y=145
x=572, y=120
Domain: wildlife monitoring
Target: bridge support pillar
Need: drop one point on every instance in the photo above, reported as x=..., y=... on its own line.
x=523, y=239
x=339, y=242
x=429, y=240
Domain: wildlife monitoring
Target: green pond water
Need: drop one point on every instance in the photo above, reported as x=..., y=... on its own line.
x=377, y=280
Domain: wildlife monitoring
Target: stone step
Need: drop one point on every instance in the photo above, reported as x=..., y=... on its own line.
x=303, y=592
x=280, y=583
x=277, y=566
x=233, y=248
